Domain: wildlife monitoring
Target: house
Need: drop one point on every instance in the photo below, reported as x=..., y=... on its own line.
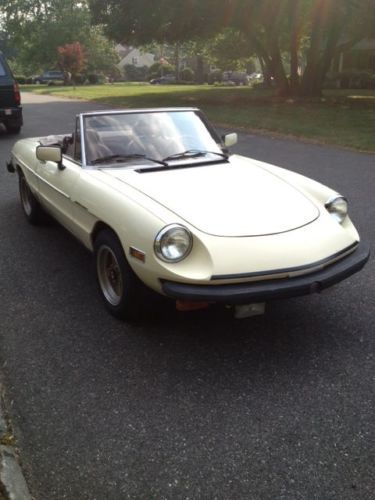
x=133, y=56
x=361, y=57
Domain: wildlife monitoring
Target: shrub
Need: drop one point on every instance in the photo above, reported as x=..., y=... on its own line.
x=93, y=78
x=261, y=85
x=185, y=82
x=158, y=69
x=371, y=83
x=79, y=79
x=215, y=76
x=20, y=79
x=135, y=73
x=187, y=75
x=351, y=79
x=367, y=79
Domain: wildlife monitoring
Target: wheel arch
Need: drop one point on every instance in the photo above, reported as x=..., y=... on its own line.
x=100, y=226
x=19, y=170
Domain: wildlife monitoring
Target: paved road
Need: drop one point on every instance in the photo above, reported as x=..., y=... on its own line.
x=195, y=406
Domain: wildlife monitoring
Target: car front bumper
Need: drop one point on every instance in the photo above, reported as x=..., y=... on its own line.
x=261, y=291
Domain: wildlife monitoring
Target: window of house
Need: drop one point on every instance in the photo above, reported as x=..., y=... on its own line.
x=135, y=61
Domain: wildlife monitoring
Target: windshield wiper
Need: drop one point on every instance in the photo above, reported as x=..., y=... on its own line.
x=193, y=153
x=123, y=158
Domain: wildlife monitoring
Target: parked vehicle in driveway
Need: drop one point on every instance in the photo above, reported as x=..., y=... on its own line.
x=255, y=77
x=163, y=80
x=10, y=99
x=158, y=199
x=235, y=77
x=50, y=76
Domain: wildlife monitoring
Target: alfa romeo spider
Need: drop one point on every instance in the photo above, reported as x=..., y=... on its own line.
x=157, y=197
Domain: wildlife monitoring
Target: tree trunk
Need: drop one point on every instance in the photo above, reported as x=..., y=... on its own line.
x=294, y=6
x=281, y=80
x=264, y=58
x=266, y=74
x=199, y=77
x=177, y=61
x=320, y=55
x=310, y=85
x=329, y=51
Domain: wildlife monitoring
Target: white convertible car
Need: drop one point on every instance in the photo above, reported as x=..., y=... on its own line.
x=157, y=197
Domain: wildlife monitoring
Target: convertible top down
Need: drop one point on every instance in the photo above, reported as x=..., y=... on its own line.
x=157, y=197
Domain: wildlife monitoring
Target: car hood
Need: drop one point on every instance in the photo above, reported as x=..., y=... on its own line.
x=236, y=198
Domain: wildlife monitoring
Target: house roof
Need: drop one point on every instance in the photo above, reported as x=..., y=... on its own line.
x=123, y=50
x=365, y=44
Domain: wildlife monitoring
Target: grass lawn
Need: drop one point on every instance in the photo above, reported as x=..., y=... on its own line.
x=344, y=118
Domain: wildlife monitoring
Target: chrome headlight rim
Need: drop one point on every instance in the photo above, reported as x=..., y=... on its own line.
x=337, y=214
x=158, y=243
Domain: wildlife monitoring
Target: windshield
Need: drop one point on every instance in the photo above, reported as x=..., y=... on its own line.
x=156, y=136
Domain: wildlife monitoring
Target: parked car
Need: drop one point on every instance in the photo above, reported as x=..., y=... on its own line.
x=255, y=77
x=157, y=198
x=50, y=76
x=163, y=80
x=235, y=78
x=10, y=99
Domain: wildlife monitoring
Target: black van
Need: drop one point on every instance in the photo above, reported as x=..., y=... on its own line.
x=10, y=99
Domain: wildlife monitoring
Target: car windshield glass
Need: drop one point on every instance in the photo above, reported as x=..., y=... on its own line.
x=2, y=69
x=152, y=135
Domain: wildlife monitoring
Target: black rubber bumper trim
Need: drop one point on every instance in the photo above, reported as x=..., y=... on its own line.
x=16, y=114
x=10, y=167
x=260, y=291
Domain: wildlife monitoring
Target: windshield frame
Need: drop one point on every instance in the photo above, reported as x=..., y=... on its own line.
x=83, y=119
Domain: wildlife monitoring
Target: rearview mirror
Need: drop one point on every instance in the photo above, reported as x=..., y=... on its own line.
x=230, y=139
x=50, y=153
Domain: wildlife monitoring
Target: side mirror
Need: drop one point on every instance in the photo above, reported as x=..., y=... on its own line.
x=230, y=140
x=50, y=153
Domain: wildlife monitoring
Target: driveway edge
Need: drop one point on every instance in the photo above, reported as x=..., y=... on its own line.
x=13, y=485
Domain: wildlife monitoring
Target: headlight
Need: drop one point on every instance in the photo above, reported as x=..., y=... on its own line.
x=173, y=243
x=338, y=208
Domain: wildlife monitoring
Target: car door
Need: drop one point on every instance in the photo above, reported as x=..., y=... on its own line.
x=58, y=185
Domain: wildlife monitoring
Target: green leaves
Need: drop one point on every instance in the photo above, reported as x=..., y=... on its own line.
x=37, y=28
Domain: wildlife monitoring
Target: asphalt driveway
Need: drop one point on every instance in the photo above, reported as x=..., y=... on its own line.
x=186, y=406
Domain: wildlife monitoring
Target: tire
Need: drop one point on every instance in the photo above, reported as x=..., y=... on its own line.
x=29, y=203
x=119, y=287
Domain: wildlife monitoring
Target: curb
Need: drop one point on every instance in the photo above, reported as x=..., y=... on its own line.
x=13, y=485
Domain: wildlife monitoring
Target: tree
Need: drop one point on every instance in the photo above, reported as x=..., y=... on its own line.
x=335, y=25
x=101, y=55
x=35, y=29
x=72, y=59
x=229, y=50
x=272, y=28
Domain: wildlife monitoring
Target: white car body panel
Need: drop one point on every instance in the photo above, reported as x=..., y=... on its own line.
x=225, y=199
x=82, y=197
x=57, y=192
x=249, y=220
